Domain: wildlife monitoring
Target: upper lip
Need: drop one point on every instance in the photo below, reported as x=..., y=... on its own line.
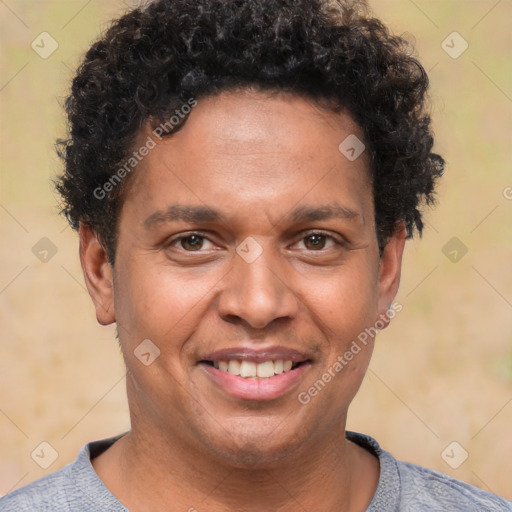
x=257, y=355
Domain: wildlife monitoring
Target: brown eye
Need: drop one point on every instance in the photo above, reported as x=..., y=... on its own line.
x=316, y=241
x=194, y=242
x=189, y=243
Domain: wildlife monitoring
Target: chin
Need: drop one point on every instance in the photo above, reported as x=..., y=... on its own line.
x=254, y=449
x=251, y=455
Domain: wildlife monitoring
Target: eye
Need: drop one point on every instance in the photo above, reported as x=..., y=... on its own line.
x=316, y=241
x=191, y=242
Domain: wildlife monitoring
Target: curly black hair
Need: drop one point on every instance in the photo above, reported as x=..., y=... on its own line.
x=155, y=58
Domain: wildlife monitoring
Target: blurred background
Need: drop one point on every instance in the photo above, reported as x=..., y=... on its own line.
x=439, y=389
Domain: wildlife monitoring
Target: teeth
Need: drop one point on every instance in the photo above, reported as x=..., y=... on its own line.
x=265, y=369
x=234, y=367
x=249, y=369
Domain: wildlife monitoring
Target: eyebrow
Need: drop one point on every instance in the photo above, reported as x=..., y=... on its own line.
x=177, y=212
x=331, y=211
x=198, y=214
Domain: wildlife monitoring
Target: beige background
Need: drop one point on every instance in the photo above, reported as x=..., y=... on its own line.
x=441, y=373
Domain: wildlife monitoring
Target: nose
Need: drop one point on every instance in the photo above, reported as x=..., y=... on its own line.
x=257, y=293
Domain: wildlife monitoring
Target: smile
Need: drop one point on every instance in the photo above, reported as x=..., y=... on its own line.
x=248, y=380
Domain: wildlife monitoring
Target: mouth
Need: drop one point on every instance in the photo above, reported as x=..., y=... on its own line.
x=256, y=375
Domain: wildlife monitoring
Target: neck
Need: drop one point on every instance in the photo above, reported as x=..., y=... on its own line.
x=154, y=472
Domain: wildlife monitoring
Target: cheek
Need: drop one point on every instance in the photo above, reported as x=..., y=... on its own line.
x=346, y=301
x=346, y=306
x=156, y=301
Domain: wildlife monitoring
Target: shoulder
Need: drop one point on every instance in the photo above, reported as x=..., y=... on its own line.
x=74, y=488
x=406, y=487
x=422, y=487
x=47, y=494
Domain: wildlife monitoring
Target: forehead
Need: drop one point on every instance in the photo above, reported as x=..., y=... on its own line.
x=249, y=149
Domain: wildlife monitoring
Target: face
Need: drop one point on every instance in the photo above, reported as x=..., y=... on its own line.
x=246, y=245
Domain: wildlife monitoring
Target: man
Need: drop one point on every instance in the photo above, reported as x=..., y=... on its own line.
x=243, y=176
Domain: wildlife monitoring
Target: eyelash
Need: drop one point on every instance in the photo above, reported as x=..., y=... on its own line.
x=199, y=234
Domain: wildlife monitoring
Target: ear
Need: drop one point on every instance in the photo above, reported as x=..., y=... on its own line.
x=97, y=273
x=390, y=272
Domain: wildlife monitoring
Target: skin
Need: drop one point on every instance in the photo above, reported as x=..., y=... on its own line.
x=254, y=157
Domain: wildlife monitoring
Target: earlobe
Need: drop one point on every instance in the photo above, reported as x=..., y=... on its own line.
x=390, y=272
x=97, y=274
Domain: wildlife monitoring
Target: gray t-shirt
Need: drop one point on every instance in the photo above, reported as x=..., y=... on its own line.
x=402, y=487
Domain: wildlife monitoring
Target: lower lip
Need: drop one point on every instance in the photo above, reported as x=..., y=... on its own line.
x=255, y=388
